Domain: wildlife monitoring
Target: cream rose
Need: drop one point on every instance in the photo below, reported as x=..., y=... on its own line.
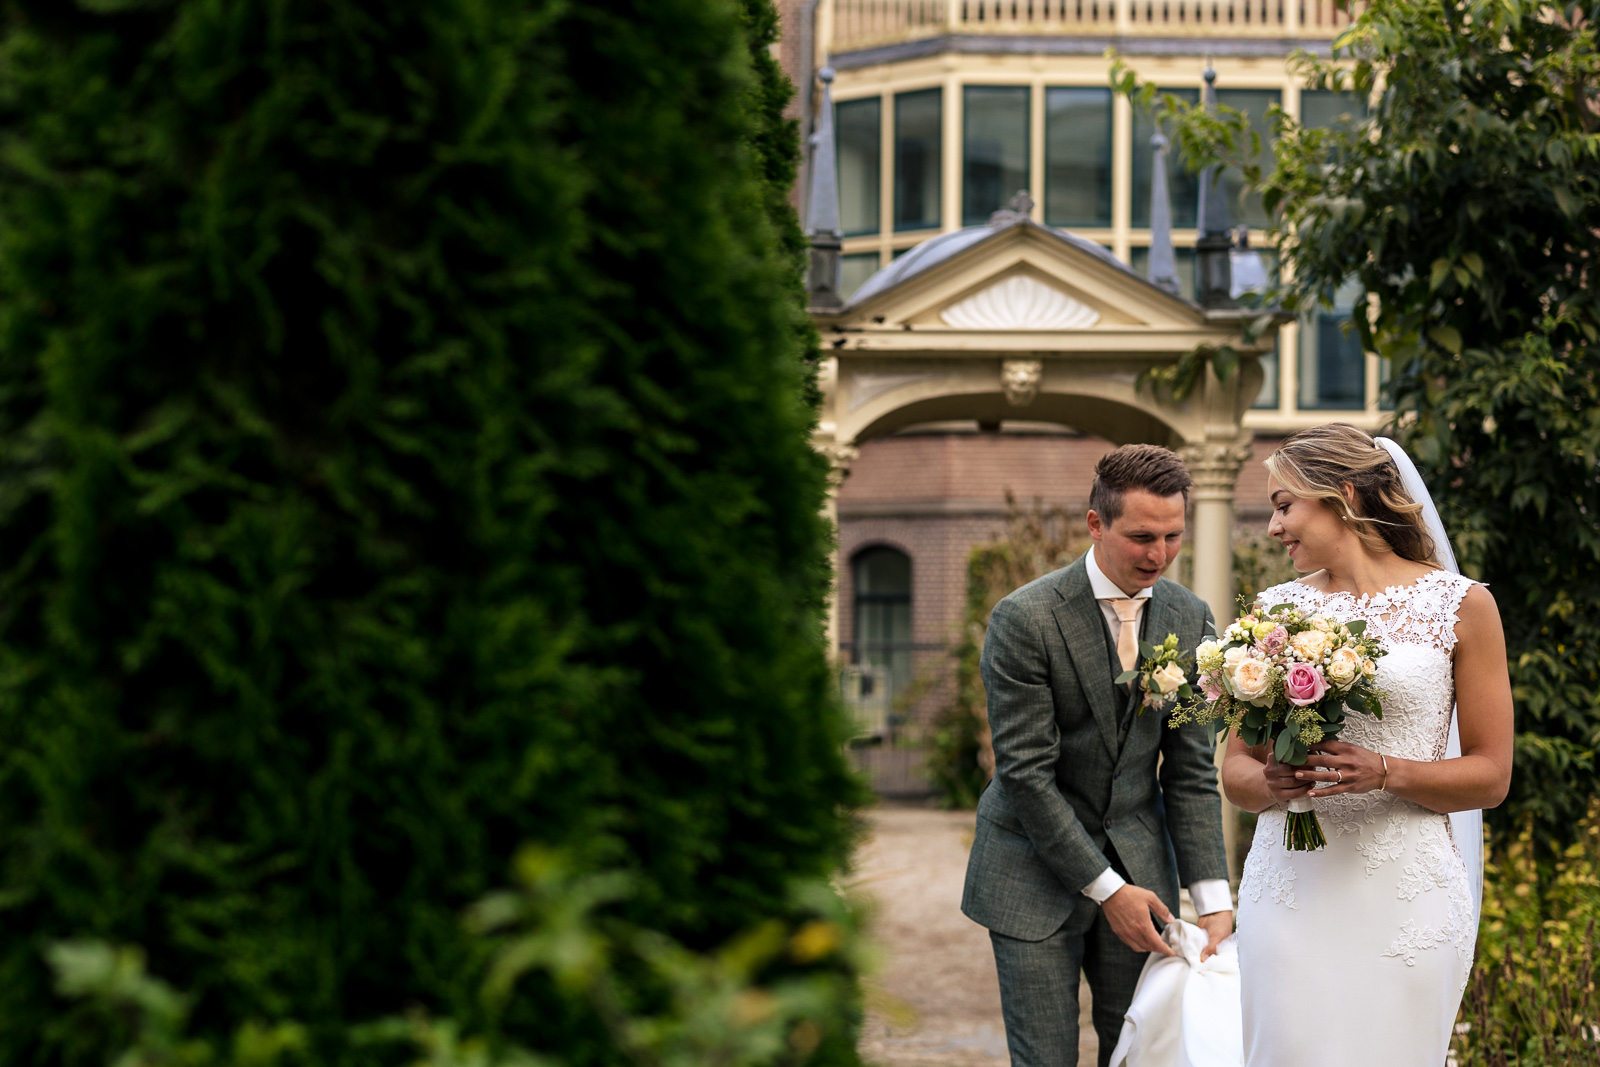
x=1344, y=668
x=1321, y=624
x=1168, y=679
x=1311, y=645
x=1368, y=668
x=1250, y=678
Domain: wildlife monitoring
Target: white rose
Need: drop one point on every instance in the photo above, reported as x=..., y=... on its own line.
x=1208, y=655
x=1311, y=645
x=1233, y=656
x=1250, y=678
x=1344, y=668
x=1168, y=679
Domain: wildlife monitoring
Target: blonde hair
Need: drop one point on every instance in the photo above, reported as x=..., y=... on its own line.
x=1317, y=464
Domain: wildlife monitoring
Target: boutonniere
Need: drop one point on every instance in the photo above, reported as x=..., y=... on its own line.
x=1163, y=676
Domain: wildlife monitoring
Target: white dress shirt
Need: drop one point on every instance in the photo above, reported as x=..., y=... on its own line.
x=1208, y=894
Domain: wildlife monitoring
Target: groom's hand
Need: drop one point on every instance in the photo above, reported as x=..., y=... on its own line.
x=1218, y=925
x=1128, y=910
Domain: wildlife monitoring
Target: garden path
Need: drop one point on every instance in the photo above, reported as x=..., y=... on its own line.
x=935, y=1000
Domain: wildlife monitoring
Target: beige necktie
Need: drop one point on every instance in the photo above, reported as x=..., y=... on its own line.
x=1128, y=636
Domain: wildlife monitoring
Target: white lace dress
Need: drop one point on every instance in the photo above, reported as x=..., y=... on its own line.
x=1359, y=952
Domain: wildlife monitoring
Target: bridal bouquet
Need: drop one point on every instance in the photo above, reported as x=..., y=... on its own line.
x=1286, y=677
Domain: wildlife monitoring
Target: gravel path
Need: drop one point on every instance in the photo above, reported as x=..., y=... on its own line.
x=935, y=1001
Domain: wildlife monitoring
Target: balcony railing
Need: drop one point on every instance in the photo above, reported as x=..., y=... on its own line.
x=865, y=23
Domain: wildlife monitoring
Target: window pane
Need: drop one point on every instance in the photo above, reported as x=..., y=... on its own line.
x=1325, y=109
x=1140, y=262
x=856, y=129
x=918, y=140
x=883, y=615
x=883, y=572
x=854, y=270
x=1182, y=187
x=994, y=150
x=1077, y=157
x=1268, y=397
x=1254, y=103
x=1333, y=369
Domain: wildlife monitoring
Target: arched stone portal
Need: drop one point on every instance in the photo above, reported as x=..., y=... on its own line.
x=1015, y=320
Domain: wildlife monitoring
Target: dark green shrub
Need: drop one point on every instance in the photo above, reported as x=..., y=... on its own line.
x=404, y=457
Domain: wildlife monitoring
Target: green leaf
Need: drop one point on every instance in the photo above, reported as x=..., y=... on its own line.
x=1225, y=360
x=1283, y=747
x=1447, y=336
x=1440, y=271
x=1357, y=702
x=1474, y=263
x=1277, y=608
x=1146, y=649
x=1568, y=201
x=1126, y=676
x=1357, y=628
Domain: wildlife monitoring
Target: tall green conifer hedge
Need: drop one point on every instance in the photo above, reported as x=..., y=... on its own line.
x=402, y=457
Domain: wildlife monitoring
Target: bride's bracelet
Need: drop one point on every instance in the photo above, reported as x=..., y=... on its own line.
x=1385, y=771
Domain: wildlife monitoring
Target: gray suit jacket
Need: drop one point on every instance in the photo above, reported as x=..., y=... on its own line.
x=1073, y=775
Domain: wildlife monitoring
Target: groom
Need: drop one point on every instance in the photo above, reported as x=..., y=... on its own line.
x=1095, y=811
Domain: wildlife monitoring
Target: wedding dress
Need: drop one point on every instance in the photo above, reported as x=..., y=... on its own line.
x=1359, y=952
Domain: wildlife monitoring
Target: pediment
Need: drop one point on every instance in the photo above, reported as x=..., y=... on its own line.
x=1025, y=278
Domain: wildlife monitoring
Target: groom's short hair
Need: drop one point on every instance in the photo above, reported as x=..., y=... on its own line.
x=1149, y=467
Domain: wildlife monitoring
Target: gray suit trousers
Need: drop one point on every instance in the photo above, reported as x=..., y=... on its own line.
x=1039, y=992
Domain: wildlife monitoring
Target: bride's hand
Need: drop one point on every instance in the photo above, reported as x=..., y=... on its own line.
x=1281, y=781
x=1341, y=767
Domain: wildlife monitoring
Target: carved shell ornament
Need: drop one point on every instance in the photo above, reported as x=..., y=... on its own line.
x=1020, y=303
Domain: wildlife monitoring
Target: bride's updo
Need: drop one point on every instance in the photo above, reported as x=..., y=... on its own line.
x=1316, y=464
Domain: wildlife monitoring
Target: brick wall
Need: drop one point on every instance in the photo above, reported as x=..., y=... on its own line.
x=936, y=495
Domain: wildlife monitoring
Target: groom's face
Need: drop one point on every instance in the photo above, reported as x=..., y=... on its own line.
x=1140, y=544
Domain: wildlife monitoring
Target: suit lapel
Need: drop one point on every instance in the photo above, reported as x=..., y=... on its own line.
x=1083, y=630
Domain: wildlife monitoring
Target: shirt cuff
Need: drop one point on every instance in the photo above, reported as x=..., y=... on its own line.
x=1209, y=895
x=1109, y=882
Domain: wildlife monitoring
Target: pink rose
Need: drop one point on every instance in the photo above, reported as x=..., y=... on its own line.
x=1274, y=642
x=1304, y=684
x=1211, y=687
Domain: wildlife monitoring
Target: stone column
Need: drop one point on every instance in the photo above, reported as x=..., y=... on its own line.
x=840, y=456
x=1214, y=466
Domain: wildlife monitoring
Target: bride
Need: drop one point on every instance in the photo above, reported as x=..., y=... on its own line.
x=1360, y=952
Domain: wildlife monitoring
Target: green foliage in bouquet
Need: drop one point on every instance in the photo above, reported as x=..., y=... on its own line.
x=1463, y=207
x=764, y=997
x=404, y=450
x=1534, y=996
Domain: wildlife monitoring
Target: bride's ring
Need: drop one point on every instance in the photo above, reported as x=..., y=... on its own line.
x=1340, y=779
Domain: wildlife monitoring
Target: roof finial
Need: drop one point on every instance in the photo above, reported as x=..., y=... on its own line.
x=1214, y=281
x=1163, y=269
x=822, y=210
x=1019, y=209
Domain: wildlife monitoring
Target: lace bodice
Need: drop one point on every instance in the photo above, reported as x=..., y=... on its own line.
x=1376, y=836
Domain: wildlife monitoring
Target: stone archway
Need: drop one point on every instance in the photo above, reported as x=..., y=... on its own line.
x=1015, y=320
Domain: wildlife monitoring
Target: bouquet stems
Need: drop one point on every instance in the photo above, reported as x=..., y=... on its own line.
x=1301, y=830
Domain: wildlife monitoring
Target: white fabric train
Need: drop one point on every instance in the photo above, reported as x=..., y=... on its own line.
x=1185, y=1013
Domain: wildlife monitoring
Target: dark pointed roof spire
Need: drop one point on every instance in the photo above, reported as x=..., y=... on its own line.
x=1213, y=271
x=1163, y=270
x=822, y=210
x=822, y=206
